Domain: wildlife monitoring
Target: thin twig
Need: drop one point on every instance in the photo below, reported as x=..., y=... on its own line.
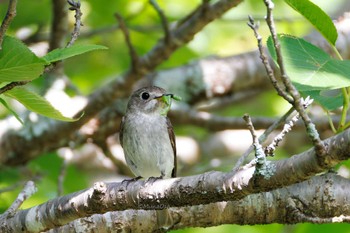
x=134, y=57
x=61, y=176
x=259, y=152
x=263, y=167
x=12, y=85
x=28, y=190
x=75, y=6
x=250, y=126
x=165, y=24
x=311, y=129
x=255, y=26
x=270, y=149
x=262, y=138
x=10, y=15
x=12, y=187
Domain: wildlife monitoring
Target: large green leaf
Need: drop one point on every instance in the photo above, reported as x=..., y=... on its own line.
x=64, y=53
x=309, y=67
x=329, y=102
x=36, y=103
x=317, y=17
x=17, y=62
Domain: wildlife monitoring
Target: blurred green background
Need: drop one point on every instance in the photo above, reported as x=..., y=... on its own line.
x=226, y=36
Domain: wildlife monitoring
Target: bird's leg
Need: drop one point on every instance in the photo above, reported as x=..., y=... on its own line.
x=128, y=181
x=152, y=179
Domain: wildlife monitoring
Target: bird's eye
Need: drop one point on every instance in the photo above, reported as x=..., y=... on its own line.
x=145, y=95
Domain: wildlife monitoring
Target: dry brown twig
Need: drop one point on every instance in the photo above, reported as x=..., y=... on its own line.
x=75, y=6
x=132, y=52
x=10, y=15
x=165, y=24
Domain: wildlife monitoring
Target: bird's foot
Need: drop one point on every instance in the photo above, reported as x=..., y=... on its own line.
x=152, y=179
x=128, y=181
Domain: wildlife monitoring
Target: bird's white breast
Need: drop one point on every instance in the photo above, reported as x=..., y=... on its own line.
x=147, y=146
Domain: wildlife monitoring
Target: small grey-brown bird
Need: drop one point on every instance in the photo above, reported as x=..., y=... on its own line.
x=147, y=135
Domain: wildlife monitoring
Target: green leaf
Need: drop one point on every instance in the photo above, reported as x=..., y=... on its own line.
x=176, y=97
x=329, y=102
x=317, y=17
x=64, y=53
x=10, y=110
x=167, y=103
x=36, y=103
x=309, y=67
x=18, y=63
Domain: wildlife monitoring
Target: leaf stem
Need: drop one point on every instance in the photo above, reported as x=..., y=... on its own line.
x=345, y=91
x=335, y=50
x=331, y=122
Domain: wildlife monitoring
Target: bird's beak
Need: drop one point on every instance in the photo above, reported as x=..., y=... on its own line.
x=171, y=95
x=167, y=94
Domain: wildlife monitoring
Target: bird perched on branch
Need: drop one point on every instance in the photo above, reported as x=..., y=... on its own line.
x=147, y=135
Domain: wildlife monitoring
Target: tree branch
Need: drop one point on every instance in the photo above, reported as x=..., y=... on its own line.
x=282, y=205
x=75, y=6
x=194, y=190
x=28, y=190
x=165, y=25
x=12, y=85
x=59, y=25
x=132, y=52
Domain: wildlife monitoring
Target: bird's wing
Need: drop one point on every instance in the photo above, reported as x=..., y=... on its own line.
x=121, y=131
x=173, y=145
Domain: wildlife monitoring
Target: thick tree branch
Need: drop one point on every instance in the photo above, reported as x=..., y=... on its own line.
x=288, y=205
x=201, y=189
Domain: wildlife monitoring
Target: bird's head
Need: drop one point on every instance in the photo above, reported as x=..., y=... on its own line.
x=150, y=100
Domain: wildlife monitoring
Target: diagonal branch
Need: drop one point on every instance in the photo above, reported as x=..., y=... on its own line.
x=12, y=85
x=28, y=190
x=132, y=52
x=165, y=25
